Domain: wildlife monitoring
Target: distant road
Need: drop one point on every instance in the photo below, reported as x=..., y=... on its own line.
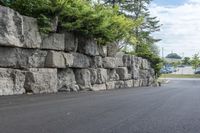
x=173, y=108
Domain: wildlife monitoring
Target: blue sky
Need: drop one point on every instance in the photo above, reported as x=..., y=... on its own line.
x=169, y=2
x=180, y=32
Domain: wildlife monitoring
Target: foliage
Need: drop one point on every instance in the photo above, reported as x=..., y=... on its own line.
x=99, y=21
x=186, y=61
x=195, y=61
x=156, y=62
x=173, y=56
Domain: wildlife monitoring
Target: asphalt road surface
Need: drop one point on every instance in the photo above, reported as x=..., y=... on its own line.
x=173, y=108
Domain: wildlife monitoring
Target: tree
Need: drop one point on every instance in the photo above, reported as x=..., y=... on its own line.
x=173, y=56
x=195, y=61
x=186, y=61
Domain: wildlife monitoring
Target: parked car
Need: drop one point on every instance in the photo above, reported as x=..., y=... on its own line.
x=197, y=71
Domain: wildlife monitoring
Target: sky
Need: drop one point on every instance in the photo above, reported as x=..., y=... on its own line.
x=180, y=31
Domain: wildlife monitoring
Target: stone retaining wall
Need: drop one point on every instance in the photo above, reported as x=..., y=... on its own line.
x=35, y=63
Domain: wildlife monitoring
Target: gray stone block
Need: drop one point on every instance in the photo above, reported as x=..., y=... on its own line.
x=32, y=38
x=54, y=41
x=88, y=46
x=11, y=29
x=136, y=83
x=81, y=61
x=112, y=75
x=119, y=84
x=123, y=73
x=83, y=79
x=102, y=76
x=66, y=80
x=102, y=50
x=71, y=42
x=55, y=60
x=69, y=59
x=97, y=62
x=11, y=81
x=41, y=80
x=21, y=58
x=98, y=87
x=128, y=83
x=109, y=62
x=110, y=85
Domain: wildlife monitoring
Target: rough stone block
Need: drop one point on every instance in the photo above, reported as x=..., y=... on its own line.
x=119, y=84
x=102, y=76
x=55, y=60
x=102, y=50
x=81, y=61
x=112, y=75
x=21, y=58
x=123, y=73
x=66, y=80
x=41, y=80
x=128, y=60
x=54, y=41
x=88, y=46
x=32, y=38
x=143, y=74
x=71, y=42
x=136, y=83
x=11, y=81
x=109, y=62
x=11, y=29
x=96, y=62
x=93, y=76
x=110, y=85
x=98, y=87
x=69, y=59
x=128, y=83
x=83, y=78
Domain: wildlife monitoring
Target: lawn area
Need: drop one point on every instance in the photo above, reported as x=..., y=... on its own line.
x=180, y=76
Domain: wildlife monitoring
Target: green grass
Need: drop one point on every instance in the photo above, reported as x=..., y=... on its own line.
x=180, y=76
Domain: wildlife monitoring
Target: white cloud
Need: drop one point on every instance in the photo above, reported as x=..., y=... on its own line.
x=181, y=27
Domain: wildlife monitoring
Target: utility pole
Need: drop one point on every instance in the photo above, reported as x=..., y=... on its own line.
x=163, y=53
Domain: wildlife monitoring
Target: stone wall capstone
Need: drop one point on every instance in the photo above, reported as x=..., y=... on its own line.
x=31, y=62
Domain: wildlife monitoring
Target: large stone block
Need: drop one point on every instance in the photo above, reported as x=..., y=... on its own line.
x=54, y=41
x=127, y=60
x=123, y=73
x=119, y=84
x=11, y=81
x=71, y=42
x=81, y=61
x=143, y=74
x=110, y=85
x=109, y=62
x=88, y=46
x=93, y=76
x=21, y=58
x=83, y=78
x=66, y=80
x=98, y=87
x=112, y=75
x=119, y=59
x=32, y=38
x=55, y=60
x=102, y=76
x=102, y=50
x=69, y=59
x=96, y=62
x=128, y=83
x=41, y=80
x=11, y=29
x=136, y=83
x=98, y=76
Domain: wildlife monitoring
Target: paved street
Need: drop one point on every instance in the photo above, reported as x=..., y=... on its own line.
x=173, y=108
